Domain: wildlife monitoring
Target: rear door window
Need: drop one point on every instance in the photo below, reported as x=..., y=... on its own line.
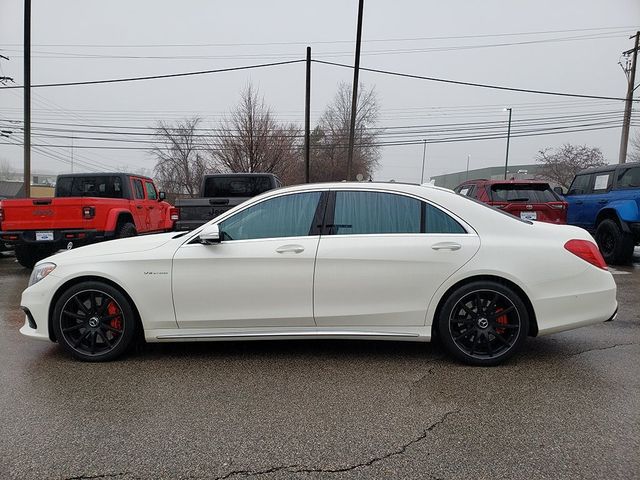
x=138, y=190
x=602, y=182
x=525, y=193
x=580, y=185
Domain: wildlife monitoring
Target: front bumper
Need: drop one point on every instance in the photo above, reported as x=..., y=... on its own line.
x=35, y=302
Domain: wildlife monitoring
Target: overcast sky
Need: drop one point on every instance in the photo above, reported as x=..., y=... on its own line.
x=75, y=40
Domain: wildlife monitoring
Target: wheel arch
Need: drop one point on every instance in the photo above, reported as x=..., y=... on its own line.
x=533, y=322
x=117, y=217
x=607, y=213
x=91, y=278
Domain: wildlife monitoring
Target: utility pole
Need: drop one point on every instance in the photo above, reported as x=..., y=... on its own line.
x=27, y=98
x=354, y=95
x=307, y=118
x=506, y=160
x=71, y=153
x=631, y=78
x=466, y=177
x=424, y=157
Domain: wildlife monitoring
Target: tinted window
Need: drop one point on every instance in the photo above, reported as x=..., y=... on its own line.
x=286, y=216
x=436, y=221
x=525, y=192
x=375, y=212
x=629, y=178
x=236, y=186
x=602, y=182
x=580, y=185
x=98, y=186
x=137, y=189
x=151, y=191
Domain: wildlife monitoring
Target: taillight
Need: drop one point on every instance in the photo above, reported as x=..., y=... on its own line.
x=1, y=214
x=558, y=205
x=88, y=212
x=174, y=214
x=587, y=251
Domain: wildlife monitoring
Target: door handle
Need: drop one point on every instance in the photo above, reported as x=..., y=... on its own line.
x=151, y=207
x=139, y=207
x=579, y=202
x=602, y=202
x=446, y=246
x=290, y=249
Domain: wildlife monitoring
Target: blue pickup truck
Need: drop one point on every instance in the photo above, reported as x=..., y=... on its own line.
x=606, y=202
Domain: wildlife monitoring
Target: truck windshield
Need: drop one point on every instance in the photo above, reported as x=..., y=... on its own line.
x=99, y=186
x=236, y=186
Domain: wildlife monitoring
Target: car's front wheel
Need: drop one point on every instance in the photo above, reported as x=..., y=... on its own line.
x=94, y=321
x=483, y=323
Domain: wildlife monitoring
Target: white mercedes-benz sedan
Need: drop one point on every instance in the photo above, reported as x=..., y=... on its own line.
x=382, y=261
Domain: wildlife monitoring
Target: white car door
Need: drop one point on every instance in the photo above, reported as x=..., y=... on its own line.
x=259, y=275
x=386, y=256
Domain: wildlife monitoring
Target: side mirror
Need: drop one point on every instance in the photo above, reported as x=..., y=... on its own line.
x=210, y=235
x=161, y=196
x=558, y=190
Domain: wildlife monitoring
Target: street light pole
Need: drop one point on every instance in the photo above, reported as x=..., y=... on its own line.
x=354, y=95
x=506, y=160
x=424, y=157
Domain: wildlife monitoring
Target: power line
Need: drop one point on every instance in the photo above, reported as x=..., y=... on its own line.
x=156, y=77
x=471, y=84
x=321, y=42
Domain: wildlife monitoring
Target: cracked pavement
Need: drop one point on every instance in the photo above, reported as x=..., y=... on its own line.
x=568, y=406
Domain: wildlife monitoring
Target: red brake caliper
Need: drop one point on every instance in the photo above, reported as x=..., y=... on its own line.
x=502, y=319
x=116, y=322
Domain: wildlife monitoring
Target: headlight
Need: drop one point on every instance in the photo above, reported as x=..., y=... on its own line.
x=41, y=271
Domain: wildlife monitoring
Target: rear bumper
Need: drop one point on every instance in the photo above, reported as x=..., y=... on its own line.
x=61, y=238
x=595, y=302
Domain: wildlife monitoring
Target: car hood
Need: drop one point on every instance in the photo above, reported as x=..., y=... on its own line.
x=123, y=245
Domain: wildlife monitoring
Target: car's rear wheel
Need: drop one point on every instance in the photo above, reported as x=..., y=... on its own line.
x=126, y=230
x=94, y=321
x=483, y=323
x=615, y=245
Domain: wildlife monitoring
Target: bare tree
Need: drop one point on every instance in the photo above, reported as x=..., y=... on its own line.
x=7, y=172
x=330, y=139
x=634, y=154
x=251, y=140
x=180, y=160
x=561, y=165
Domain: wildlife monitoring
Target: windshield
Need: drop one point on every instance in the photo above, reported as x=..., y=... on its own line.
x=523, y=192
x=478, y=202
x=234, y=186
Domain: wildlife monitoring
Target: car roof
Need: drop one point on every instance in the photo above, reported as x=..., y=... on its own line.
x=608, y=168
x=104, y=174
x=496, y=182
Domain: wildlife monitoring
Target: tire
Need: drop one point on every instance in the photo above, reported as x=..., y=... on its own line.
x=126, y=230
x=615, y=245
x=28, y=256
x=94, y=322
x=483, y=323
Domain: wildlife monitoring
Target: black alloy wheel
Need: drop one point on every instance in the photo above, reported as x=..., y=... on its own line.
x=615, y=245
x=483, y=323
x=94, y=321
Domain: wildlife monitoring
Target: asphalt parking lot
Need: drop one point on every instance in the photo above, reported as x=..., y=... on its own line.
x=567, y=407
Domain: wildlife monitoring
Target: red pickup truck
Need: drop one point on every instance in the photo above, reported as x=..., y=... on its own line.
x=87, y=208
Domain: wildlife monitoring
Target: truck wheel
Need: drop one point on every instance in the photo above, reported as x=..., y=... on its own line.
x=126, y=230
x=29, y=256
x=615, y=245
